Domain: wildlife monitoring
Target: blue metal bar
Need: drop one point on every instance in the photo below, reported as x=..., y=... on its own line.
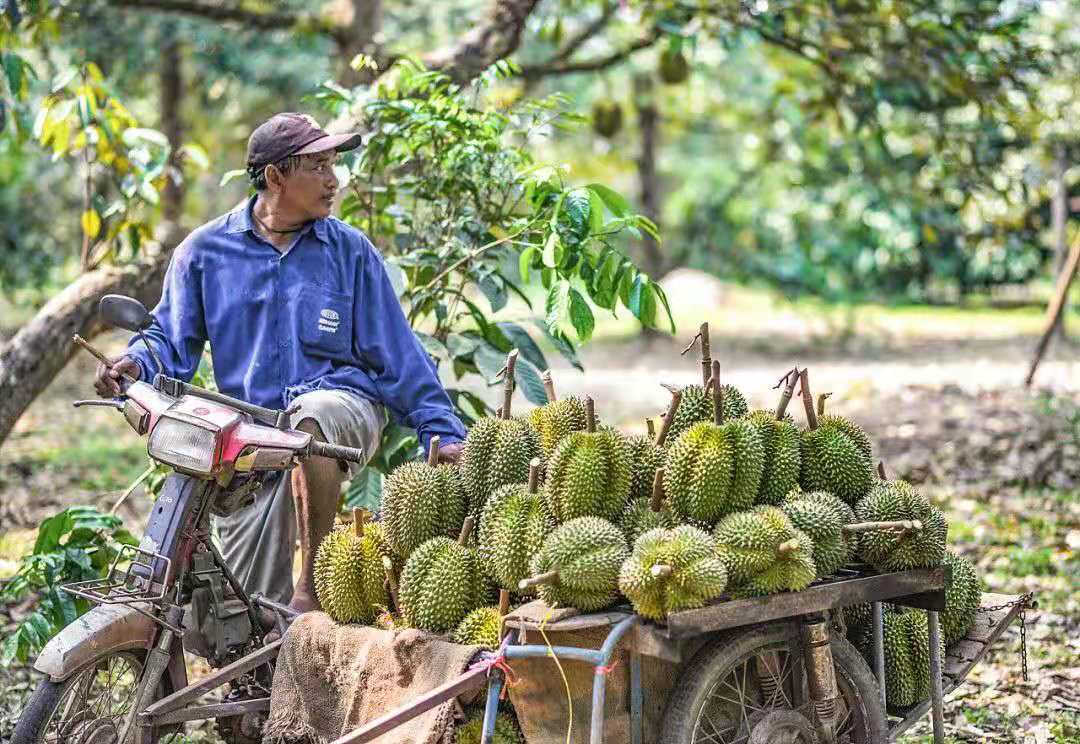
x=636, y=727
x=491, y=707
x=596, y=733
x=588, y=655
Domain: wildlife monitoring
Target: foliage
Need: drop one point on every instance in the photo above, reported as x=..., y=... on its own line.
x=78, y=544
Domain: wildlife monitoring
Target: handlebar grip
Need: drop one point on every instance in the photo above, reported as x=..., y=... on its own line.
x=338, y=452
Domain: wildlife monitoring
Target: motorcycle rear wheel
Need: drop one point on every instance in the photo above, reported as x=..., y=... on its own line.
x=89, y=707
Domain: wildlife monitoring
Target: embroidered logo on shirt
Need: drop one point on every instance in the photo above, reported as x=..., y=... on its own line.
x=329, y=320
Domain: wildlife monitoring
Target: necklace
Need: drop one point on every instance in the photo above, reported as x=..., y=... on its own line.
x=269, y=229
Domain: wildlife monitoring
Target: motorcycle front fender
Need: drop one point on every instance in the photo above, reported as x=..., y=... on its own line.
x=102, y=630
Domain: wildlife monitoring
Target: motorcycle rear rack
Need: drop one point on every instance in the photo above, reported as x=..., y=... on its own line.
x=132, y=584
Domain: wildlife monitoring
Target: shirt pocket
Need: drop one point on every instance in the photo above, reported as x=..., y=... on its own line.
x=326, y=322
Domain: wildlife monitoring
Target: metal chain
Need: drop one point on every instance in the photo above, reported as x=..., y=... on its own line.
x=1024, y=600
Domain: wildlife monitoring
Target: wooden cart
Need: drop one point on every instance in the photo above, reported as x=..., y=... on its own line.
x=761, y=657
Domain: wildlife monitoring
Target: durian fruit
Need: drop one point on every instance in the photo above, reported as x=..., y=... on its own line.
x=607, y=118
x=645, y=458
x=714, y=468
x=671, y=570
x=589, y=473
x=442, y=583
x=513, y=526
x=697, y=406
x=497, y=450
x=506, y=730
x=780, y=471
x=914, y=536
x=857, y=618
x=481, y=627
x=557, y=418
x=823, y=517
x=962, y=598
x=349, y=571
x=764, y=552
x=673, y=66
x=642, y=515
x=422, y=500
x=578, y=565
x=836, y=455
x=907, y=655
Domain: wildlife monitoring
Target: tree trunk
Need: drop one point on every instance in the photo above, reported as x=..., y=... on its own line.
x=649, y=182
x=1057, y=304
x=41, y=348
x=172, y=124
x=1059, y=215
x=361, y=36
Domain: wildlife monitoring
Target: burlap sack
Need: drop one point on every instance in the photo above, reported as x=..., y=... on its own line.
x=330, y=679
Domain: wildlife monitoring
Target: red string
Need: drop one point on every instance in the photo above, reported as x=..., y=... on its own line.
x=607, y=669
x=511, y=678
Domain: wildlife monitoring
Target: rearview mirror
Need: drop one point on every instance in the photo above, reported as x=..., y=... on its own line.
x=124, y=312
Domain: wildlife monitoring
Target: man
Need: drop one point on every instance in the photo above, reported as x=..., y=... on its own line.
x=298, y=311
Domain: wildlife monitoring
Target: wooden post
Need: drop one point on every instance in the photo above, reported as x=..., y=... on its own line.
x=706, y=353
x=547, y=577
x=1057, y=304
x=433, y=451
x=534, y=474
x=508, y=382
x=717, y=394
x=549, y=385
x=466, y=530
x=665, y=425
x=789, y=380
x=821, y=403
x=358, y=517
x=807, y=398
x=590, y=415
x=391, y=582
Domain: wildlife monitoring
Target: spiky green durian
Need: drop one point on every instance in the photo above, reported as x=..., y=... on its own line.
x=497, y=453
x=585, y=555
x=781, y=445
x=556, y=419
x=671, y=570
x=479, y=628
x=697, y=405
x=907, y=655
x=506, y=730
x=836, y=457
x=857, y=618
x=962, y=598
x=764, y=552
x=713, y=470
x=421, y=501
x=440, y=584
x=897, y=550
x=349, y=573
x=645, y=459
x=513, y=526
x=589, y=475
x=639, y=517
x=822, y=517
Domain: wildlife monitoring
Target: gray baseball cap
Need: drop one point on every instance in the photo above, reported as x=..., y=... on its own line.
x=290, y=133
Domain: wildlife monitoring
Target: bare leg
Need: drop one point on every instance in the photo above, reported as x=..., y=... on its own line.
x=316, y=487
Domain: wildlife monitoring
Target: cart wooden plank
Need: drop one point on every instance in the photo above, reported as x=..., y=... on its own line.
x=963, y=655
x=818, y=597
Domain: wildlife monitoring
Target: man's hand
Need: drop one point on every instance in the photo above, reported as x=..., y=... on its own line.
x=107, y=382
x=451, y=453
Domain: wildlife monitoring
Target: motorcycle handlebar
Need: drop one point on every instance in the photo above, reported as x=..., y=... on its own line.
x=337, y=452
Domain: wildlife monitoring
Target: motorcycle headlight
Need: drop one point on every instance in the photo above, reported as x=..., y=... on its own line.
x=183, y=445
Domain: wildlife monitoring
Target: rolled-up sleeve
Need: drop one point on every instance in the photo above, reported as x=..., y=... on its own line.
x=178, y=333
x=404, y=374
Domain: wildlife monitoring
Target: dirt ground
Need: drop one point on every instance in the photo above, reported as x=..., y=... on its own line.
x=945, y=411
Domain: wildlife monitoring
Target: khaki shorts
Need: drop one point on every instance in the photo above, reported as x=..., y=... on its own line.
x=258, y=542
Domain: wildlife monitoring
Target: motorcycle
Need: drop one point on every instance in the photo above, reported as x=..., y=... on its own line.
x=117, y=673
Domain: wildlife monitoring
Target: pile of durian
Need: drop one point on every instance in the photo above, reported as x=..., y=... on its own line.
x=721, y=502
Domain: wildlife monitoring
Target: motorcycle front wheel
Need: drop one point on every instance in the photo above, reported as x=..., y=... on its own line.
x=89, y=707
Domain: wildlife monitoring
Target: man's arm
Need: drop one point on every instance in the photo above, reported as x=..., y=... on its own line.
x=178, y=333
x=402, y=370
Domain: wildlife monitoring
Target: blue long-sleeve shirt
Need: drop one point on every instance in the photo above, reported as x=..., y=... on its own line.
x=321, y=315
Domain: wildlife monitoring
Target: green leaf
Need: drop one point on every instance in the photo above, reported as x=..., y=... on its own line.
x=581, y=316
x=230, y=175
x=552, y=255
x=134, y=136
x=561, y=342
x=63, y=78
x=558, y=303
x=576, y=210
x=662, y=296
x=613, y=200
x=527, y=378
x=50, y=532
x=525, y=262
x=489, y=361
x=522, y=341
x=365, y=490
x=495, y=292
x=432, y=345
x=196, y=154
x=642, y=301
x=461, y=345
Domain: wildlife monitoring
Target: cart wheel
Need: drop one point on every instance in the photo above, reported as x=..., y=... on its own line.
x=751, y=688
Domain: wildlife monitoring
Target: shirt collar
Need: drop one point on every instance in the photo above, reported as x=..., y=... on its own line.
x=240, y=221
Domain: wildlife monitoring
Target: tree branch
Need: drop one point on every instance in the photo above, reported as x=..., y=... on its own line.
x=533, y=72
x=584, y=34
x=496, y=38
x=257, y=19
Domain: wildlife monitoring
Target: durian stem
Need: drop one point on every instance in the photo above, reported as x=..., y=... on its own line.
x=534, y=474
x=717, y=394
x=391, y=582
x=547, y=577
x=549, y=385
x=358, y=517
x=466, y=530
x=788, y=381
x=706, y=353
x=657, y=490
x=661, y=570
x=508, y=382
x=821, y=403
x=665, y=425
x=908, y=525
x=504, y=602
x=788, y=547
x=881, y=470
x=807, y=398
x=590, y=415
x=433, y=451
x=650, y=428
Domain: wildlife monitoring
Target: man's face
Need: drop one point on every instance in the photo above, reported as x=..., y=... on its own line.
x=310, y=188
